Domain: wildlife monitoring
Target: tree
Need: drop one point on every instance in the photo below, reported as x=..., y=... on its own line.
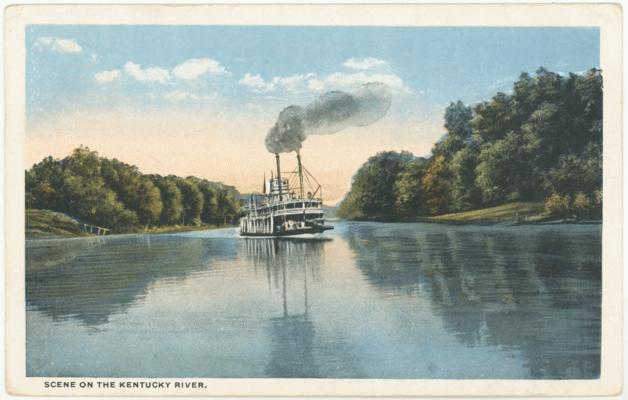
x=544, y=135
x=172, y=200
x=115, y=195
x=149, y=204
x=408, y=192
x=464, y=194
x=192, y=201
x=501, y=171
x=43, y=182
x=458, y=120
x=458, y=124
x=494, y=119
x=373, y=189
x=543, y=140
x=577, y=173
x=436, y=186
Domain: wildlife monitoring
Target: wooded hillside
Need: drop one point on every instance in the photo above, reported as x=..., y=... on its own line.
x=116, y=195
x=540, y=142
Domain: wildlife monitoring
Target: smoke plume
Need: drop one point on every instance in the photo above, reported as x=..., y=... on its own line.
x=328, y=114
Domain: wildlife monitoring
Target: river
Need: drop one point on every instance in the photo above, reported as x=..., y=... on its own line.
x=367, y=300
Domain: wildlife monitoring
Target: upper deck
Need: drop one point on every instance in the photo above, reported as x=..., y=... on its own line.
x=262, y=205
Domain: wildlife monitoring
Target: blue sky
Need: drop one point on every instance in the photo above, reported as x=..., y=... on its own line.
x=435, y=65
x=198, y=100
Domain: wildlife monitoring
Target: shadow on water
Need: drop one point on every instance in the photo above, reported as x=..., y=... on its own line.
x=533, y=292
x=91, y=279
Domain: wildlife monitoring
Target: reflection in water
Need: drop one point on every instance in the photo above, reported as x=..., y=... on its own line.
x=535, y=292
x=292, y=335
x=90, y=279
x=376, y=301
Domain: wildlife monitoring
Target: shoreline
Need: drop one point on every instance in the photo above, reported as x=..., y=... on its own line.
x=512, y=214
x=164, y=231
x=47, y=224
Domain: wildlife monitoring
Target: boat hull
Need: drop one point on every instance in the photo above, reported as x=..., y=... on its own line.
x=291, y=232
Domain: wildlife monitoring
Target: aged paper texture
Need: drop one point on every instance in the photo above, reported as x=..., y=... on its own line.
x=300, y=200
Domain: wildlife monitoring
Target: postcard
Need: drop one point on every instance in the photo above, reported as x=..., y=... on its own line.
x=299, y=200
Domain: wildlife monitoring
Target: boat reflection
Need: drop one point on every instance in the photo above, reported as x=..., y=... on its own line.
x=292, y=333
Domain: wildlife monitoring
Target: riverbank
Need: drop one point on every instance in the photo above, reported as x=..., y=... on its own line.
x=519, y=212
x=50, y=224
x=47, y=224
x=512, y=213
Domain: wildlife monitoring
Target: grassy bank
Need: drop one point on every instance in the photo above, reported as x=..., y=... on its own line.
x=51, y=224
x=41, y=224
x=521, y=212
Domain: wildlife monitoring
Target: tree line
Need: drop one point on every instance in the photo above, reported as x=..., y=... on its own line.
x=542, y=141
x=116, y=195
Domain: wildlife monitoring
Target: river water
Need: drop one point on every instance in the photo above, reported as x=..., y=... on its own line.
x=367, y=300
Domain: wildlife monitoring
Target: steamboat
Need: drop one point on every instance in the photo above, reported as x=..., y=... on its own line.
x=290, y=205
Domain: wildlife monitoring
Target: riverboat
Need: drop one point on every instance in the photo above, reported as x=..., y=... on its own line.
x=289, y=205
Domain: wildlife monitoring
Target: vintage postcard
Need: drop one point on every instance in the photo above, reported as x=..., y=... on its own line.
x=299, y=200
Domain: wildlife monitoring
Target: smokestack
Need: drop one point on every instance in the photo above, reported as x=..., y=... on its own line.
x=300, y=174
x=279, y=176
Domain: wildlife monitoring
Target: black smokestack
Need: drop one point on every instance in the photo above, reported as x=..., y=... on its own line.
x=328, y=114
x=279, y=176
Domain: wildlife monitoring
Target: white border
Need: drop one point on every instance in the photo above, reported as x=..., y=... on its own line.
x=607, y=16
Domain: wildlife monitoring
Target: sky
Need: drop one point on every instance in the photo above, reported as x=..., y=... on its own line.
x=199, y=100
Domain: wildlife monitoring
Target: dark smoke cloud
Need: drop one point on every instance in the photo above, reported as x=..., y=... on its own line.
x=328, y=114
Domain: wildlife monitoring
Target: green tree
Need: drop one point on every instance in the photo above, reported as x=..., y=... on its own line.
x=373, y=189
x=577, y=173
x=408, y=192
x=43, y=182
x=192, y=201
x=436, y=186
x=494, y=119
x=502, y=170
x=458, y=124
x=172, y=200
x=116, y=195
x=464, y=194
x=149, y=203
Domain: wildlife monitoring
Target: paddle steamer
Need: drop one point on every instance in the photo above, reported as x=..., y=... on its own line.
x=289, y=205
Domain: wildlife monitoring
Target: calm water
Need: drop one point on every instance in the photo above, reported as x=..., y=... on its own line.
x=371, y=300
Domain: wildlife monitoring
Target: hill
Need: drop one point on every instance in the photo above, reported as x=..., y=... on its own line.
x=115, y=195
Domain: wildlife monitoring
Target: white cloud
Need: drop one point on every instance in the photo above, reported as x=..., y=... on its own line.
x=291, y=83
x=257, y=83
x=151, y=74
x=364, y=63
x=316, y=85
x=195, y=67
x=107, y=76
x=58, y=45
x=340, y=80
